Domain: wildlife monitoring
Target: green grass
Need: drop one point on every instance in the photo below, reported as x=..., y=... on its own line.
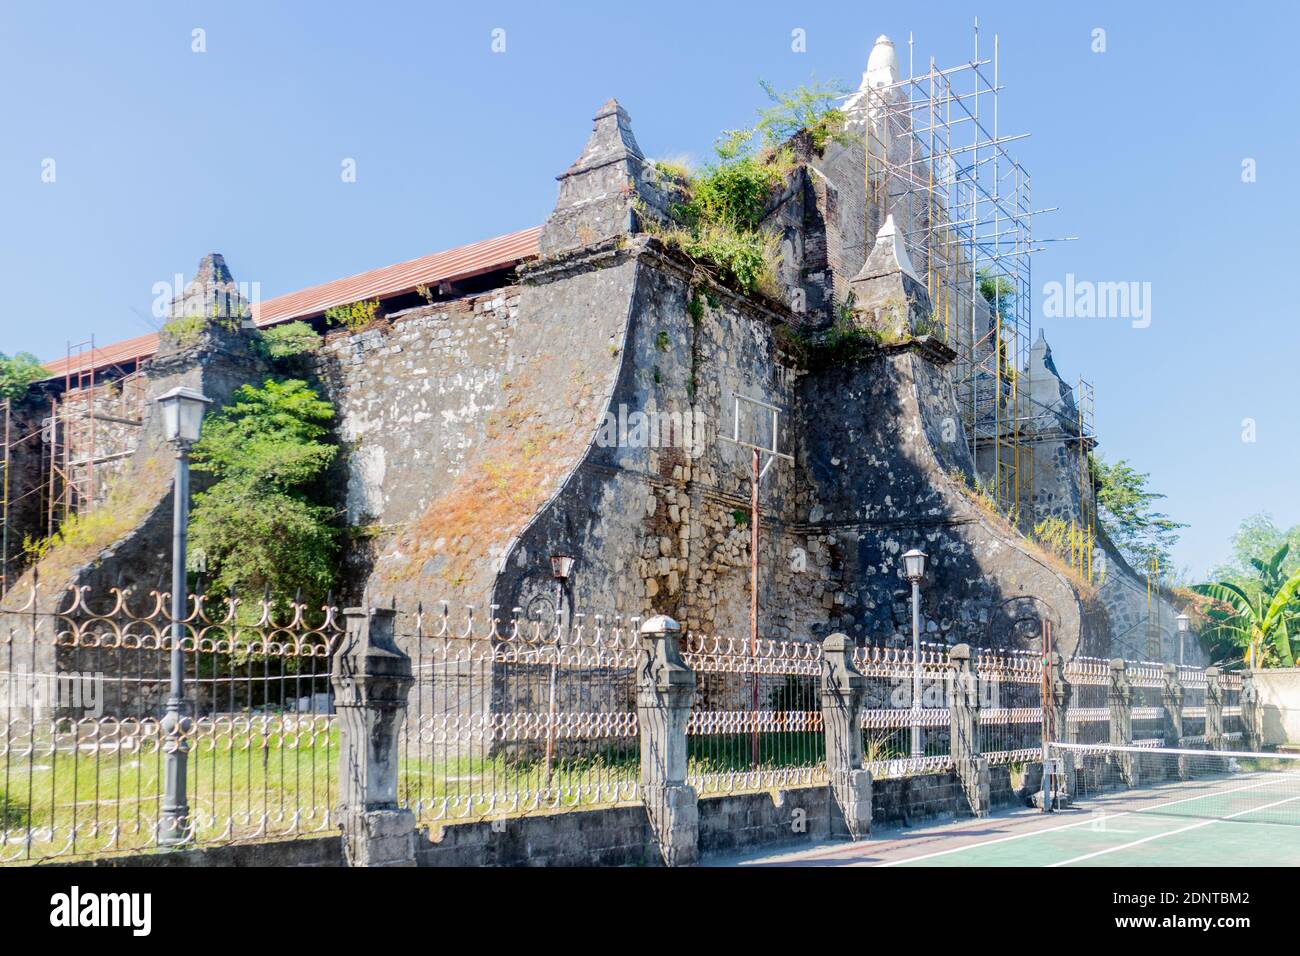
x=79, y=802
x=67, y=802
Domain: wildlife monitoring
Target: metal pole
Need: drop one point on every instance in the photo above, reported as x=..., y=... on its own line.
x=4, y=543
x=916, y=669
x=174, y=827
x=555, y=659
x=753, y=607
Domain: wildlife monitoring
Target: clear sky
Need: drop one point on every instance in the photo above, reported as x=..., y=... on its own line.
x=162, y=154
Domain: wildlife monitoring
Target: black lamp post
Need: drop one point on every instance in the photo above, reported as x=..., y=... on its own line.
x=914, y=568
x=561, y=568
x=182, y=411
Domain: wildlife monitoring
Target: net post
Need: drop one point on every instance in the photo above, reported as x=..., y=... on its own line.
x=1214, y=738
x=1058, y=771
x=1171, y=699
x=964, y=720
x=1213, y=710
x=1120, y=699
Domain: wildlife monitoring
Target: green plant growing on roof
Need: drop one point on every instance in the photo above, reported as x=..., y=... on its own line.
x=354, y=316
x=805, y=109
x=288, y=340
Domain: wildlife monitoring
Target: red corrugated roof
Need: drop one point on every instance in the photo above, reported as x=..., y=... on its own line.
x=459, y=263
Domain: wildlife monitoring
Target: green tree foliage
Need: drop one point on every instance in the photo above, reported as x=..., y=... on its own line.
x=261, y=526
x=288, y=340
x=998, y=290
x=1125, y=509
x=717, y=213
x=1258, y=620
x=1257, y=539
x=18, y=373
x=807, y=109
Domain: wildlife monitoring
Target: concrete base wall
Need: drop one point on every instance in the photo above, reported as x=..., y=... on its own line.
x=314, y=852
x=621, y=836
x=1279, y=704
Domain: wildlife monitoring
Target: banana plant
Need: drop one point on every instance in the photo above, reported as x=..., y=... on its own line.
x=1259, y=623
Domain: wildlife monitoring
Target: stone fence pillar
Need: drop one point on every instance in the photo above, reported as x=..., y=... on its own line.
x=964, y=718
x=1056, y=727
x=1213, y=710
x=665, y=690
x=371, y=677
x=1171, y=697
x=1250, y=712
x=843, y=689
x=1121, y=719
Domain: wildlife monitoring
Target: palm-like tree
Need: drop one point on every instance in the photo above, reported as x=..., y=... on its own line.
x=1259, y=623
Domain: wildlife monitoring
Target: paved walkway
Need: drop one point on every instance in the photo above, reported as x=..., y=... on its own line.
x=1238, y=820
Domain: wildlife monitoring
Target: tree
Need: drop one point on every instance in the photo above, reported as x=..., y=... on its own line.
x=1258, y=623
x=998, y=290
x=1257, y=539
x=260, y=527
x=18, y=373
x=1126, y=513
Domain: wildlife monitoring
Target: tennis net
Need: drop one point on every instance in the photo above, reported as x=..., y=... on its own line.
x=1210, y=784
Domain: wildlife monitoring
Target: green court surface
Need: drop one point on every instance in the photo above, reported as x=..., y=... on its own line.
x=1238, y=819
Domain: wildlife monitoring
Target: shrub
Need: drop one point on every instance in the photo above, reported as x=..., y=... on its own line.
x=354, y=316
x=288, y=340
x=807, y=109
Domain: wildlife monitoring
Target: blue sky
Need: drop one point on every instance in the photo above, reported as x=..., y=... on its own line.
x=164, y=154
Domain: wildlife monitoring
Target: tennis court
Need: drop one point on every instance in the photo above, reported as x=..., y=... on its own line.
x=1183, y=809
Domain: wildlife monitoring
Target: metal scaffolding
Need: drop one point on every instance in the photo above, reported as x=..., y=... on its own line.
x=74, y=450
x=937, y=159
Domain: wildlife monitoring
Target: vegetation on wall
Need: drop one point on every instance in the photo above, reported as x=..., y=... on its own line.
x=185, y=329
x=18, y=373
x=807, y=109
x=262, y=527
x=354, y=316
x=288, y=340
x=716, y=213
x=127, y=501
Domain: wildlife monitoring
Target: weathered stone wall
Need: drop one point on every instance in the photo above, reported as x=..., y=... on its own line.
x=326, y=851
x=27, y=452
x=414, y=400
x=879, y=463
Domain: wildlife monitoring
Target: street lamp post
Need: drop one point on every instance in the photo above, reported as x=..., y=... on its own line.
x=1184, y=625
x=561, y=568
x=182, y=411
x=914, y=568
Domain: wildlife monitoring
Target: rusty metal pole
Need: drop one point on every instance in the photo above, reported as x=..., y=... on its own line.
x=753, y=605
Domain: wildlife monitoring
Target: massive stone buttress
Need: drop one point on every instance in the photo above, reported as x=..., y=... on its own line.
x=879, y=467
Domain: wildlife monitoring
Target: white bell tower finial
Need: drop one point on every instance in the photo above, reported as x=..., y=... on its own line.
x=882, y=64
